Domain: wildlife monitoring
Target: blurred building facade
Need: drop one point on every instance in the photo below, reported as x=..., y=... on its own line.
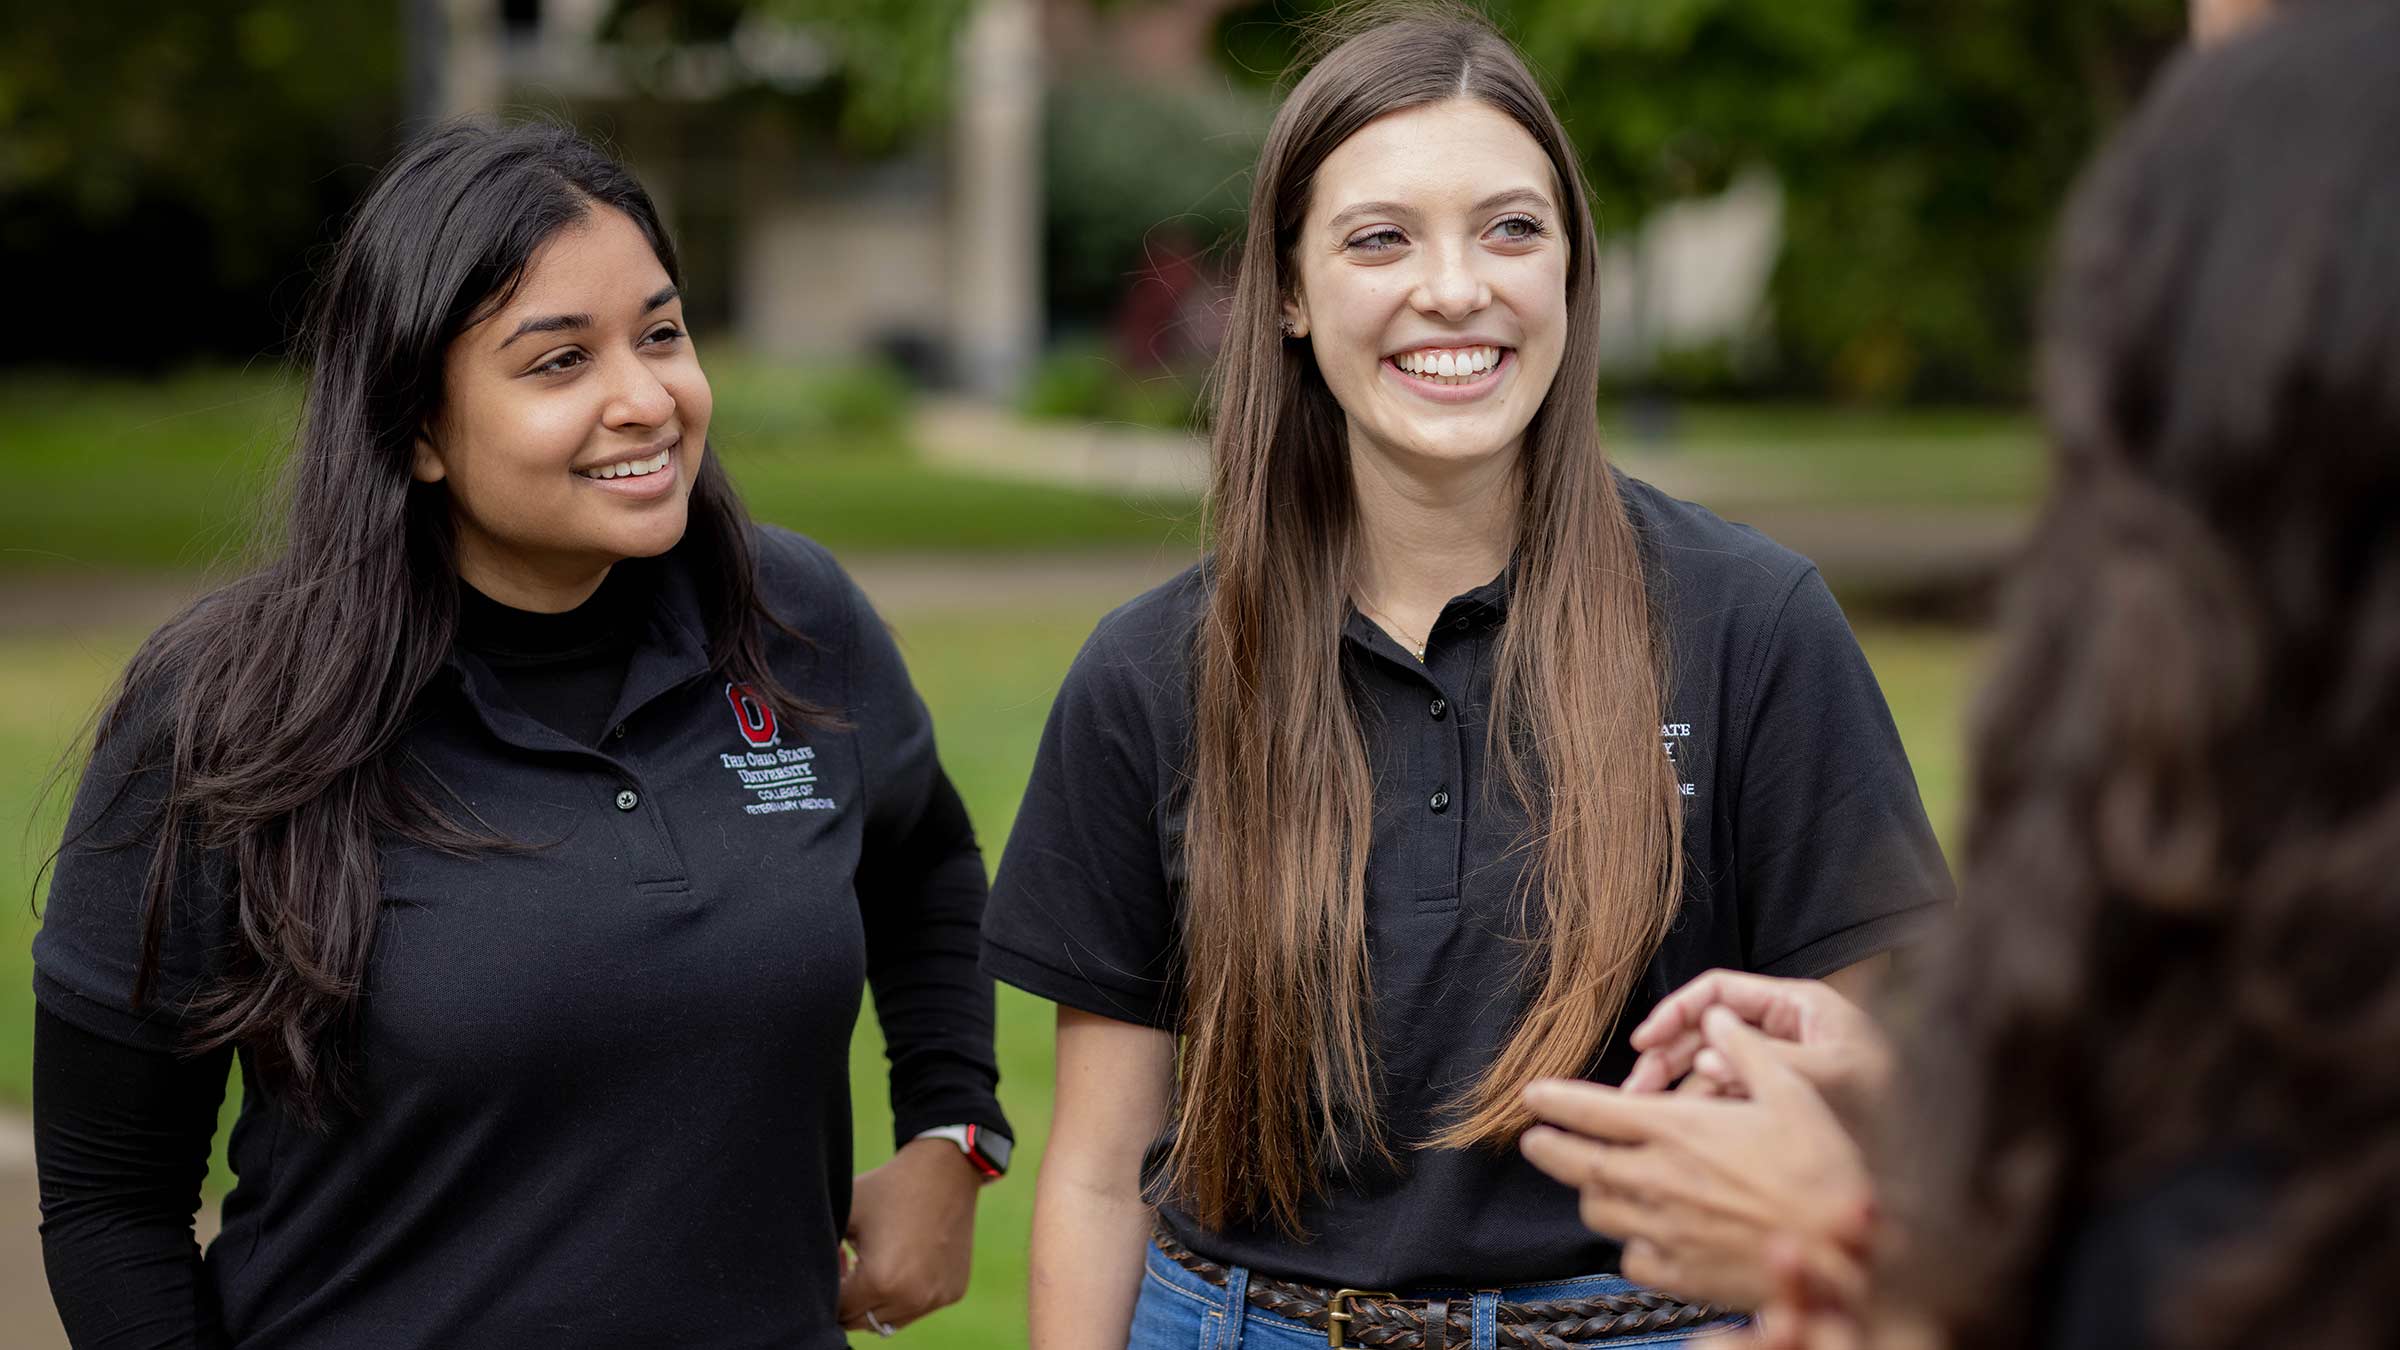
x=928, y=256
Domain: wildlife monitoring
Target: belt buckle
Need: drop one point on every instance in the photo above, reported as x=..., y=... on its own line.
x=1337, y=1317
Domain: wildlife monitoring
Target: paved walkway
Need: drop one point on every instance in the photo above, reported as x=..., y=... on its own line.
x=1893, y=558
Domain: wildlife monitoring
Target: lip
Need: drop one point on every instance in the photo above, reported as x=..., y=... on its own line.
x=1472, y=390
x=647, y=486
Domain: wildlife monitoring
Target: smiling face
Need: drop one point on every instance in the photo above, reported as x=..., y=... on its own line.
x=1431, y=283
x=573, y=420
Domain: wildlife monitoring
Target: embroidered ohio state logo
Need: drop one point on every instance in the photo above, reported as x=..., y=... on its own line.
x=752, y=716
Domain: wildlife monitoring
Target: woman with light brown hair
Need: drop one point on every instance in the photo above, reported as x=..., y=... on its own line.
x=1459, y=749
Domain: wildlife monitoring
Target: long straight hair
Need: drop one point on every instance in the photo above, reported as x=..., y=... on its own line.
x=1278, y=1082
x=279, y=704
x=2182, y=864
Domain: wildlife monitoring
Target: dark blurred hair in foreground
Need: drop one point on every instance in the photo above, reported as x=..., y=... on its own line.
x=2182, y=935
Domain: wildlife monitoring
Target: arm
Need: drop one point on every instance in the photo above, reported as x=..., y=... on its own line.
x=913, y=1219
x=121, y=1138
x=1090, y=1220
x=921, y=894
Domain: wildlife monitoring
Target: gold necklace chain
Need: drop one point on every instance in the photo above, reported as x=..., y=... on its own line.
x=1395, y=627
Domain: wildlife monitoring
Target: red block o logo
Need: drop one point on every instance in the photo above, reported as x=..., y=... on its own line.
x=752, y=715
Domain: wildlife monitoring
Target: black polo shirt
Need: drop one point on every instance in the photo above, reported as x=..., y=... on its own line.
x=1808, y=851
x=605, y=1078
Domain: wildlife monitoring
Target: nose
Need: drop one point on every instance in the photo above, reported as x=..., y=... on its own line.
x=636, y=398
x=1449, y=285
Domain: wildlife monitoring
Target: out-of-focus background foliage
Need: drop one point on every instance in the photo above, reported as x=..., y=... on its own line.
x=956, y=268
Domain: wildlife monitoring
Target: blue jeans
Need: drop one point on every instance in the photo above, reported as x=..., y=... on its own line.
x=1181, y=1311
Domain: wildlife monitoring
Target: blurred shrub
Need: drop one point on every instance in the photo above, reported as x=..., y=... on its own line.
x=1082, y=380
x=171, y=166
x=1131, y=168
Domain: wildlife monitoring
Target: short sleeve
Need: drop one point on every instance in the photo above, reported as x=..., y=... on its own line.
x=1836, y=858
x=1083, y=911
x=87, y=955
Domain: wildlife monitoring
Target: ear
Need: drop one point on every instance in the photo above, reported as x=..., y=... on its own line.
x=425, y=462
x=1295, y=315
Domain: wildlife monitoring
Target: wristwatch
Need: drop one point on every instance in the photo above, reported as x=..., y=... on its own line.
x=987, y=1149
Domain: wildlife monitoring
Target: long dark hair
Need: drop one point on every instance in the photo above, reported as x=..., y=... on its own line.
x=1277, y=1078
x=281, y=700
x=2183, y=861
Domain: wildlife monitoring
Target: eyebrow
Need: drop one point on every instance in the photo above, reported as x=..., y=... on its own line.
x=1512, y=196
x=568, y=323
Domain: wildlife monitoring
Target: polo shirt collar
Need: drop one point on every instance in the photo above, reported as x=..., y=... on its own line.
x=1483, y=607
x=671, y=651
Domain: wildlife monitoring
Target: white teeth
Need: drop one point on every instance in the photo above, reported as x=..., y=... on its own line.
x=1456, y=363
x=631, y=468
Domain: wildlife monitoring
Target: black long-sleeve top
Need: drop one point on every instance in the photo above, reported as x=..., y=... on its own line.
x=604, y=1091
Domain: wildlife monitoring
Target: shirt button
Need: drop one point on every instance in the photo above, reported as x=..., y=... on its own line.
x=1441, y=800
x=619, y=733
x=1440, y=709
x=628, y=799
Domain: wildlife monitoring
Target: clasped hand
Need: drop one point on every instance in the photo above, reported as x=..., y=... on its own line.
x=1743, y=1169
x=912, y=1222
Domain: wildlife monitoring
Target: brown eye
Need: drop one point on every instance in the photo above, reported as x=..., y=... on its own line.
x=566, y=360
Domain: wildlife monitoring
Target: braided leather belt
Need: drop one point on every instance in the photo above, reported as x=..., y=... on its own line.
x=1383, y=1321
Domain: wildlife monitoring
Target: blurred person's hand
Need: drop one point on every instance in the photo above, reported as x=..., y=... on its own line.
x=913, y=1223
x=1701, y=1188
x=1819, y=1034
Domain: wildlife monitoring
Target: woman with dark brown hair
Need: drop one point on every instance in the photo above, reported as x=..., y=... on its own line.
x=2150, y=1100
x=1458, y=748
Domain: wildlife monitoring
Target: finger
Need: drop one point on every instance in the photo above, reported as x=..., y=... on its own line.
x=1613, y=1213
x=861, y=1292
x=1647, y=1263
x=1602, y=1112
x=1769, y=1002
x=1699, y=1086
x=1711, y=1064
x=1563, y=1157
x=1661, y=1065
x=1678, y=1013
x=1752, y=1057
x=1608, y=1177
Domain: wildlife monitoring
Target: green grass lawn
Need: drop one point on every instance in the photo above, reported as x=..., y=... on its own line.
x=168, y=474
x=989, y=677
x=121, y=474
x=1813, y=456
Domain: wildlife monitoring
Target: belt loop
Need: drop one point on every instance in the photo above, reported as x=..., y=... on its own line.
x=1437, y=1324
x=1487, y=1319
x=1237, y=1306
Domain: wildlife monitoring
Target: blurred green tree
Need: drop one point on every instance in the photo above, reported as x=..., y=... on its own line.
x=170, y=165
x=887, y=65
x=1923, y=145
